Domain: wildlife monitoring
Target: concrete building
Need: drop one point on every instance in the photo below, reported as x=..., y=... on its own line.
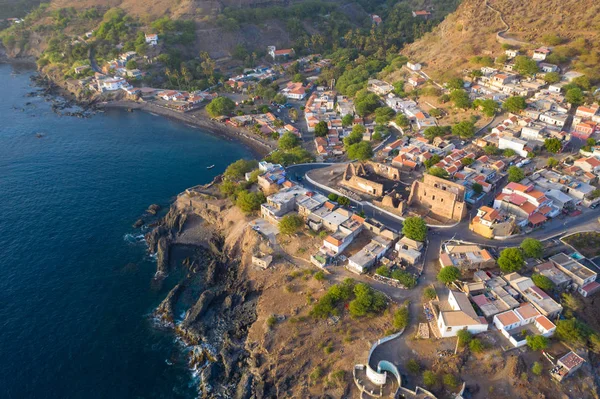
x=534, y=295
x=281, y=203
x=567, y=365
x=456, y=313
x=525, y=320
x=369, y=255
x=583, y=278
x=558, y=278
x=409, y=250
x=466, y=257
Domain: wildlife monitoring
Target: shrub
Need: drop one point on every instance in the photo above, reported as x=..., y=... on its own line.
x=429, y=293
x=290, y=224
x=271, y=320
x=319, y=276
x=430, y=379
x=532, y=248
x=537, y=342
x=401, y=318
x=464, y=337
x=450, y=381
x=537, y=368
x=413, y=366
x=448, y=274
x=476, y=346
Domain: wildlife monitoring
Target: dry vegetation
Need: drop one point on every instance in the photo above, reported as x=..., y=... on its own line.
x=471, y=31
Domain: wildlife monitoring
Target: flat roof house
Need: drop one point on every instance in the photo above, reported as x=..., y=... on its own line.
x=567, y=365
x=456, y=313
x=369, y=255
x=534, y=295
x=466, y=257
x=583, y=278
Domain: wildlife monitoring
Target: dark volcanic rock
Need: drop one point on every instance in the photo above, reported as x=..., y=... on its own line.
x=153, y=209
x=162, y=257
x=196, y=312
x=138, y=223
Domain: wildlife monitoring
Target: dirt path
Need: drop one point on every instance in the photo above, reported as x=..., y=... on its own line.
x=501, y=35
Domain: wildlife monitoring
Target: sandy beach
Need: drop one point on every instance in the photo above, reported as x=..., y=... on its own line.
x=259, y=148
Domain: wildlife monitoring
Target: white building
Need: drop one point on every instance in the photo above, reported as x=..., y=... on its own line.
x=112, y=84
x=456, y=313
x=526, y=319
x=369, y=255
x=414, y=66
x=152, y=39
x=513, y=143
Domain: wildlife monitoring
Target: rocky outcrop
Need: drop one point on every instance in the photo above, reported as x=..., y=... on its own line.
x=221, y=304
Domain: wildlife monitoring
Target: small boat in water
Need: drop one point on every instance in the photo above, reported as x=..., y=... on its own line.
x=210, y=167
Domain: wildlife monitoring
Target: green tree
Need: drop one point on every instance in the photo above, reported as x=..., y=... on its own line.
x=131, y=64
x=450, y=381
x=360, y=151
x=514, y=104
x=515, y=174
x=355, y=136
x=552, y=77
x=321, y=129
x=366, y=102
x=477, y=188
x=298, y=78
x=464, y=337
x=537, y=342
x=532, y=248
x=455, y=84
x=383, y=271
x=430, y=379
x=542, y=282
x=238, y=169
x=435, y=158
x=525, y=65
x=489, y=107
x=491, y=150
x=434, y=131
x=249, y=202
x=476, y=346
x=402, y=120
x=220, y=106
x=537, y=368
x=401, y=317
x=333, y=197
x=399, y=88
x=413, y=366
x=461, y=99
x=414, y=228
x=366, y=301
x=290, y=224
x=383, y=115
x=511, y=260
x=280, y=98
x=552, y=162
x=573, y=331
x=228, y=188
x=553, y=145
x=464, y=129
x=347, y=120
x=343, y=201
x=448, y=274
x=288, y=141
x=509, y=152
x=438, y=172
x=574, y=96
x=429, y=294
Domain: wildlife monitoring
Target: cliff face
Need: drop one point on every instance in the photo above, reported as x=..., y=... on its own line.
x=219, y=297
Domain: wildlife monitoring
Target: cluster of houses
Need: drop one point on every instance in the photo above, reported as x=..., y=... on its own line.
x=267, y=124
x=512, y=303
x=250, y=77
x=183, y=100
x=341, y=226
x=117, y=67
x=419, y=119
x=327, y=106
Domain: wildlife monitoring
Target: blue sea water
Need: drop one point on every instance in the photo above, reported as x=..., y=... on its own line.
x=74, y=293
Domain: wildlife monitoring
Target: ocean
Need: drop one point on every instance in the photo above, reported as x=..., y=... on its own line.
x=75, y=283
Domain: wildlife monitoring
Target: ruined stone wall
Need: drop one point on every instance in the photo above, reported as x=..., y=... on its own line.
x=442, y=197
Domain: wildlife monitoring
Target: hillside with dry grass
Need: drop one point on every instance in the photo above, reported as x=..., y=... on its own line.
x=570, y=27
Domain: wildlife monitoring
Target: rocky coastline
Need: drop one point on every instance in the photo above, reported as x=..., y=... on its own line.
x=219, y=304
